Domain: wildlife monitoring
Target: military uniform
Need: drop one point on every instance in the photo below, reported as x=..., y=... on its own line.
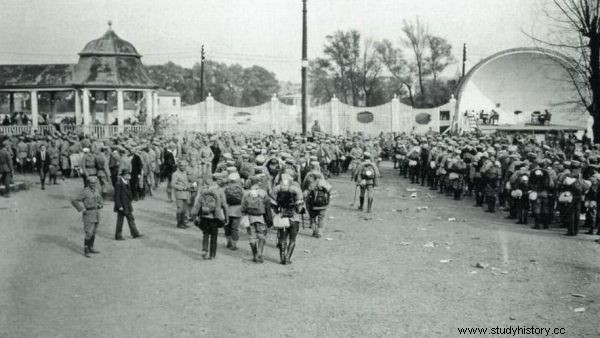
x=89, y=202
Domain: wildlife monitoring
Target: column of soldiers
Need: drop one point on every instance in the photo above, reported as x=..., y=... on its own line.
x=258, y=184
x=518, y=174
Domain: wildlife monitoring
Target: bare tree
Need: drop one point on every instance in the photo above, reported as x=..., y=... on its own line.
x=575, y=31
x=417, y=38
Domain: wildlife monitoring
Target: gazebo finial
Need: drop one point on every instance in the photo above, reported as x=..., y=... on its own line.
x=109, y=25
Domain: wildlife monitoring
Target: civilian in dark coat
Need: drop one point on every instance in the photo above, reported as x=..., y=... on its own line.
x=6, y=168
x=123, y=206
x=137, y=165
x=43, y=161
x=168, y=168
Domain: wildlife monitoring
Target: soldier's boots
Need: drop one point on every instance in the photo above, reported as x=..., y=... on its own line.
x=290, y=251
x=91, y=246
x=233, y=245
x=261, y=246
x=86, y=248
x=369, y=205
x=254, y=252
x=362, y=202
x=282, y=253
x=228, y=242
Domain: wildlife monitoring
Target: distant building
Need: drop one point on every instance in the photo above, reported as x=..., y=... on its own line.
x=168, y=101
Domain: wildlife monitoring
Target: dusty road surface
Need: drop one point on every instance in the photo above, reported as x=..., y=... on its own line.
x=401, y=273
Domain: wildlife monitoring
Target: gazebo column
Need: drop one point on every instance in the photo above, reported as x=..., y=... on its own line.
x=106, y=118
x=155, y=103
x=34, y=110
x=11, y=103
x=85, y=97
x=120, y=110
x=149, y=107
x=77, y=107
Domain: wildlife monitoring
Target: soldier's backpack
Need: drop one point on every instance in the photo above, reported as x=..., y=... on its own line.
x=368, y=172
x=208, y=203
x=286, y=200
x=234, y=194
x=319, y=197
x=255, y=204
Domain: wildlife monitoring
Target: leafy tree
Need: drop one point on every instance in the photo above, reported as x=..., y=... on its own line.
x=440, y=55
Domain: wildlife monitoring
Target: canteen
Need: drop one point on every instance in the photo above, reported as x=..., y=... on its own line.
x=517, y=193
x=569, y=180
x=533, y=196
x=453, y=176
x=565, y=197
x=432, y=164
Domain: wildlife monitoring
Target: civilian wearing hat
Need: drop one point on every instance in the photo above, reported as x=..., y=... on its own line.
x=43, y=164
x=169, y=166
x=137, y=175
x=122, y=205
x=89, y=202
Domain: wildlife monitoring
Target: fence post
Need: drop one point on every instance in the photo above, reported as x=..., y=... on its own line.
x=210, y=112
x=395, y=107
x=273, y=125
x=334, y=113
x=455, y=115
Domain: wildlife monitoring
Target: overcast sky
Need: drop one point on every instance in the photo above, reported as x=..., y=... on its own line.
x=263, y=32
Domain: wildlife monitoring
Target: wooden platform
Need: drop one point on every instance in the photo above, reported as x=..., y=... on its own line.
x=528, y=128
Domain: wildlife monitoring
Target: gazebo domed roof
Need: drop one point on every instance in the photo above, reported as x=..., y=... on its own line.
x=109, y=44
x=111, y=62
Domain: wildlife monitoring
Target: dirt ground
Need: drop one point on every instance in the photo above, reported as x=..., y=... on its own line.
x=402, y=273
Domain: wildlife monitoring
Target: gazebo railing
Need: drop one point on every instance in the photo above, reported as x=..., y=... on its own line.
x=97, y=130
x=15, y=130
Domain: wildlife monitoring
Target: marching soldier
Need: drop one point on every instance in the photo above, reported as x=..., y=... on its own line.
x=366, y=176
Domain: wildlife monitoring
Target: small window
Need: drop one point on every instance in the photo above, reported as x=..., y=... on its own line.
x=445, y=115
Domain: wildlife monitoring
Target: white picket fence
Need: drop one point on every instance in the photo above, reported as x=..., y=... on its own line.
x=334, y=117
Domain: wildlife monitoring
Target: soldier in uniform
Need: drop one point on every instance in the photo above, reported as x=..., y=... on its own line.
x=491, y=178
x=181, y=185
x=256, y=206
x=88, y=165
x=89, y=202
x=289, y=203
x=366, y=177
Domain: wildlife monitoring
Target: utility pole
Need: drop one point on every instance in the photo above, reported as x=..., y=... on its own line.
x=304, y=68
x=202, y=75
x=464, y=59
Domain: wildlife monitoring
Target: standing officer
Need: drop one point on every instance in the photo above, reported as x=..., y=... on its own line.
x=181, y=185
x=89, y=202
